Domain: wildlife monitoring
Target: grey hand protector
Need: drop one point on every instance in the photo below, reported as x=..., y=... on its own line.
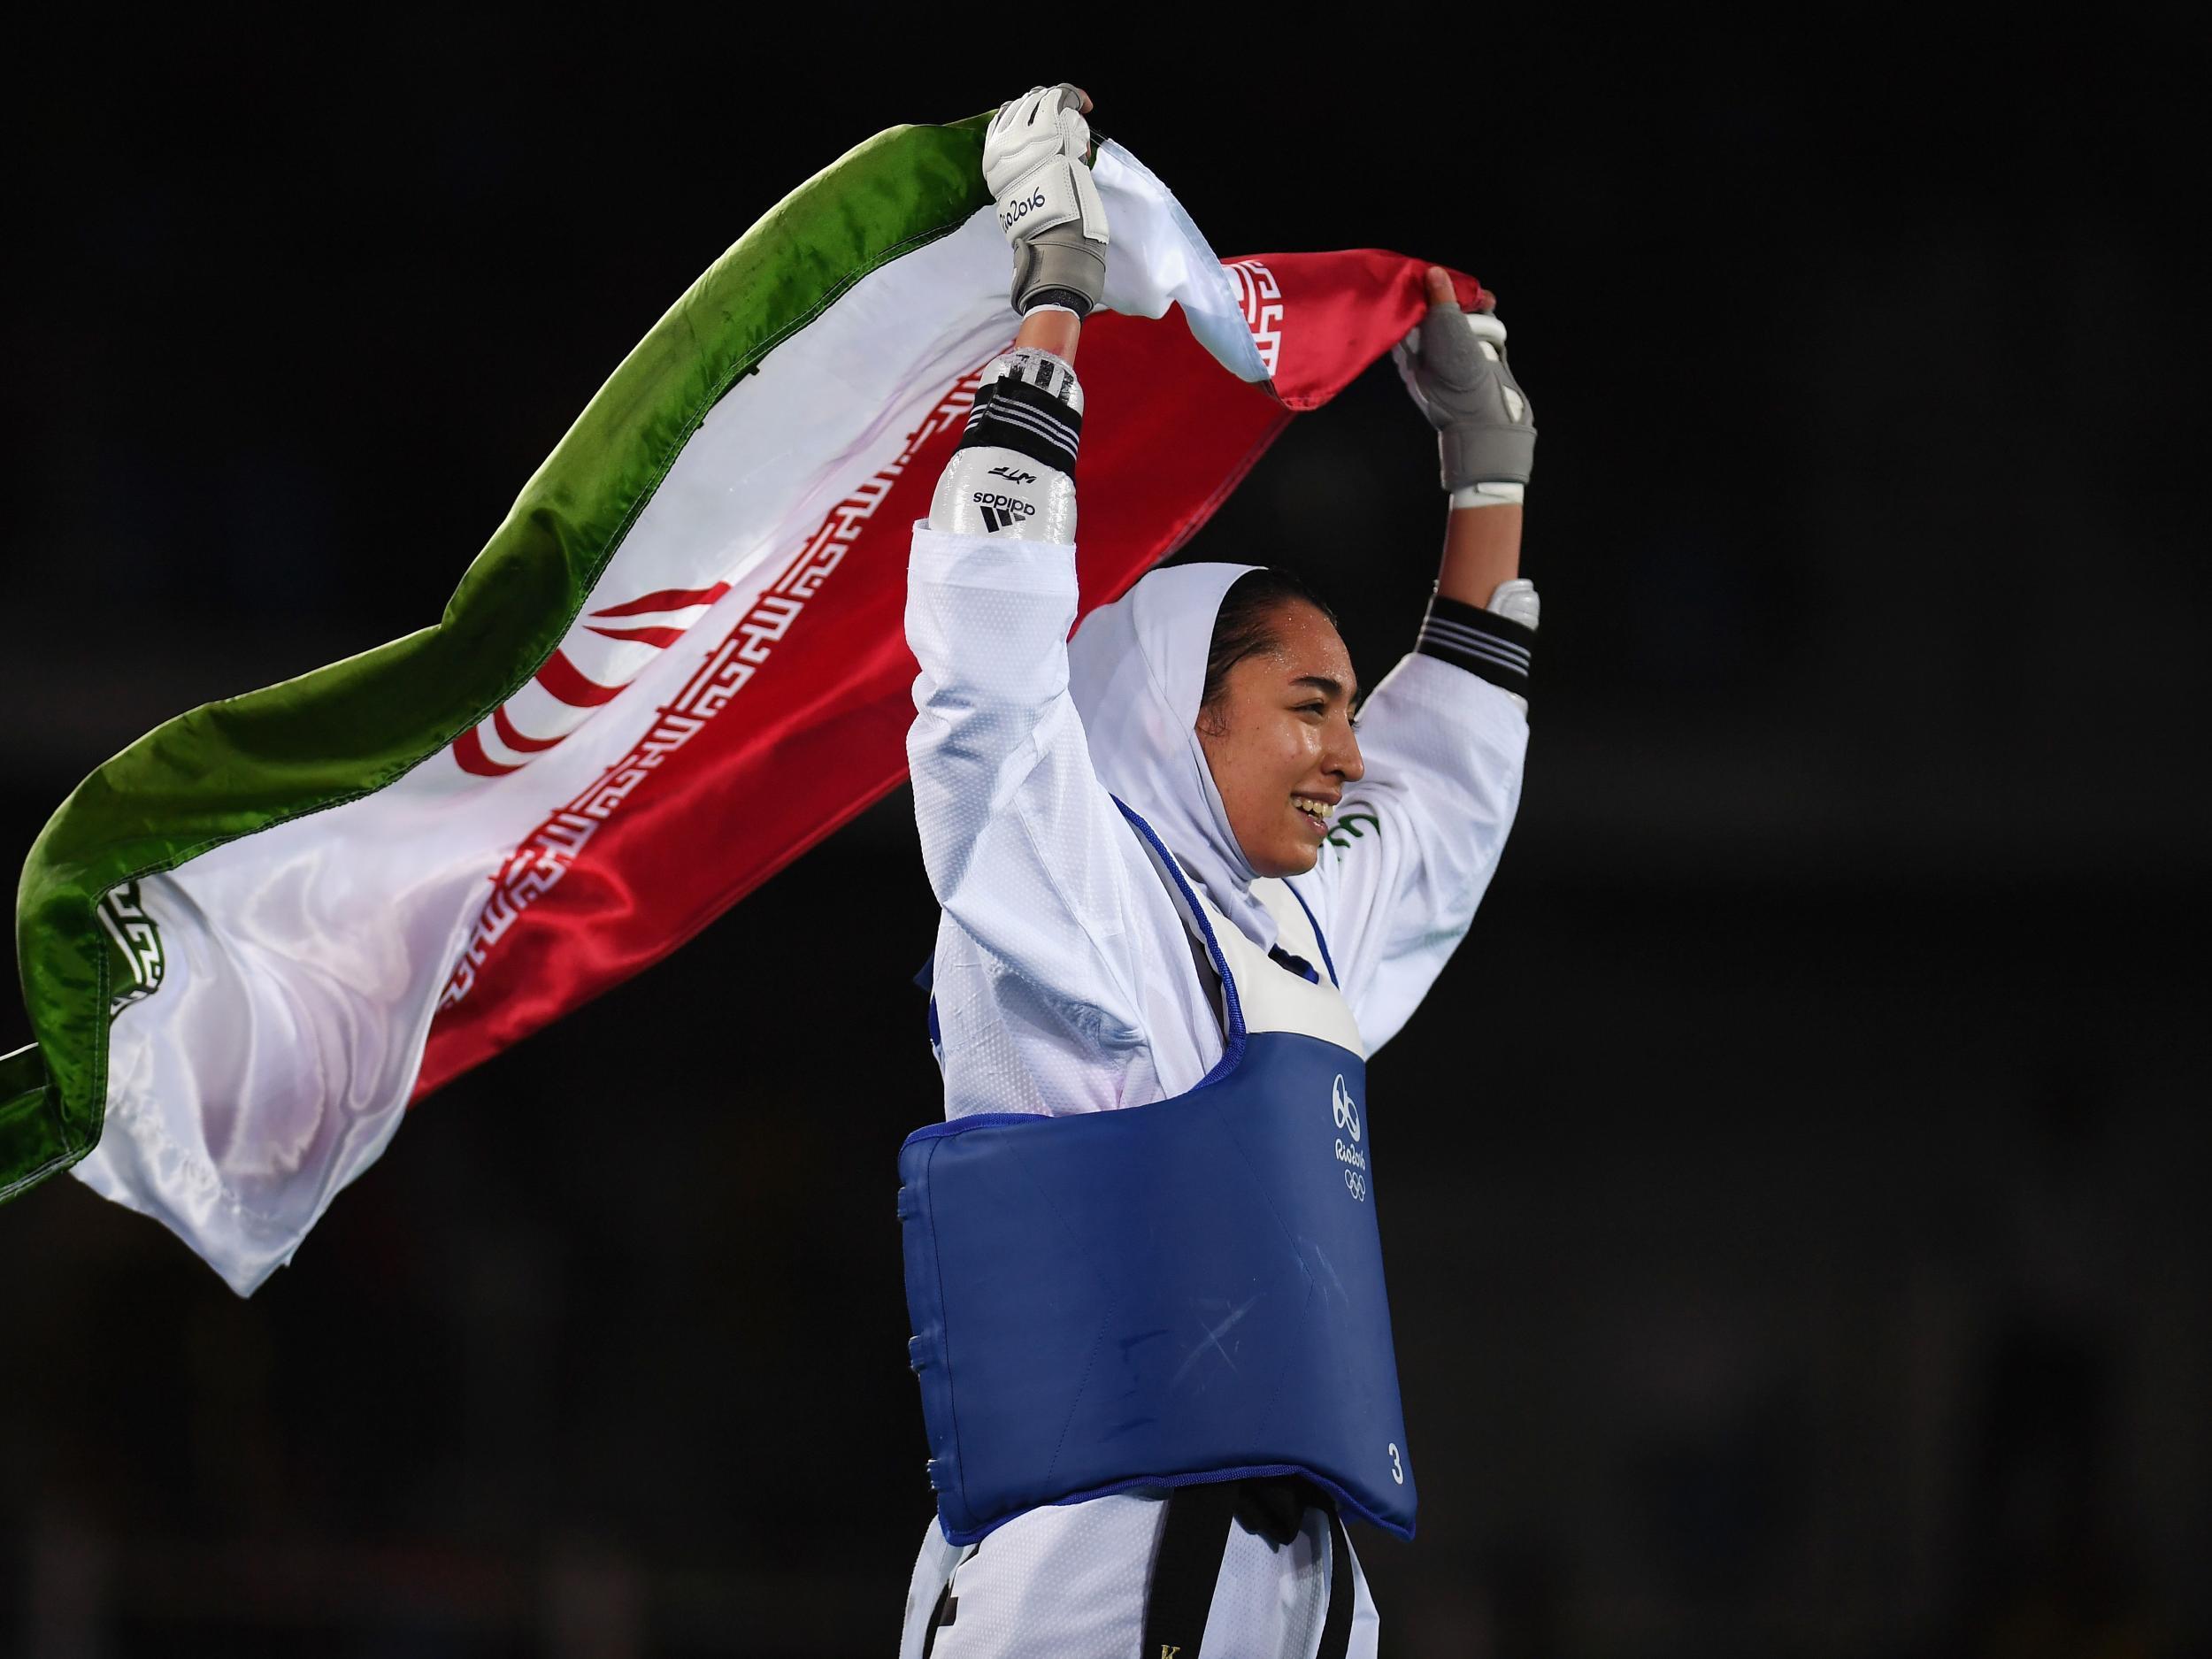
x=1485, y=425
x=1062, y=257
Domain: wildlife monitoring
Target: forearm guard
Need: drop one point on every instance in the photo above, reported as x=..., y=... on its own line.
x=1014, y=471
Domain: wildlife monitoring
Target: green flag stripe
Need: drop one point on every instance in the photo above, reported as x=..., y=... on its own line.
x=245, y=764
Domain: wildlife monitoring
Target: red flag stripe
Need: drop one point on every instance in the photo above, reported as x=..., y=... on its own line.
x=567, y=682
x=513, y=738
x=468, y=750
x=666, y=599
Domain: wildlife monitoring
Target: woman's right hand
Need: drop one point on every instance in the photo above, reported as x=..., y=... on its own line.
x=1034, y=152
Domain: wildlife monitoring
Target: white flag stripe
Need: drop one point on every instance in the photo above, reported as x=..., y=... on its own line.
x=1157, y=257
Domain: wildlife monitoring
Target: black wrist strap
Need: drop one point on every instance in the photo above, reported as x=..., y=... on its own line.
x=1027, y=412
x=1485, y=644
x=1068, y=298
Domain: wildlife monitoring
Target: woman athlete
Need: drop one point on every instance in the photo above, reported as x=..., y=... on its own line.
x=1145, y=898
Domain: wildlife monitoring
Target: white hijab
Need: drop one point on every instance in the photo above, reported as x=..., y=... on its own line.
x=1136, y=670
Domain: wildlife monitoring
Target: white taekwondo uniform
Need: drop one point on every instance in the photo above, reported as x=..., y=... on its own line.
x=1065, y=982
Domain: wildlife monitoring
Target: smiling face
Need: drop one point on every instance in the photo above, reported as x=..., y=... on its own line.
x=1278, y=740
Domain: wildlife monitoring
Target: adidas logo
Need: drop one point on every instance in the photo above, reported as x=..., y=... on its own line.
x=999, y=511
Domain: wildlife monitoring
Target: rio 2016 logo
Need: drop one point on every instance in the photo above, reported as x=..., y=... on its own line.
x=1345, y=1110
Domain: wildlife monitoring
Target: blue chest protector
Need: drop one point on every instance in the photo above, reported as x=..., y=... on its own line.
x=1183, y=1292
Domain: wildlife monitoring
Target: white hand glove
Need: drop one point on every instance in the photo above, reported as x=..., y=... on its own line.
x=1033, y=163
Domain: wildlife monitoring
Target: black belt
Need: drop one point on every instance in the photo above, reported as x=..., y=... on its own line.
x=1194, y=1539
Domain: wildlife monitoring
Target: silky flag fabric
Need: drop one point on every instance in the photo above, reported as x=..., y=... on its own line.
x=250, y=941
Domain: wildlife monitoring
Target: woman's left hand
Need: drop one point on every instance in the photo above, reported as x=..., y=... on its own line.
x=1454, y=363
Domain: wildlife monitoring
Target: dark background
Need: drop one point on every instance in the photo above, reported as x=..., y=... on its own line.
x=1795, y=1231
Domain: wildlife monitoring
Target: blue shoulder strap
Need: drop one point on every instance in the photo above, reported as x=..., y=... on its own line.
x=927, y=979
x=1319, y=937
x=1232, y=1006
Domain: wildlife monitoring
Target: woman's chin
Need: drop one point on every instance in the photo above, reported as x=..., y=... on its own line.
x=1292, y=859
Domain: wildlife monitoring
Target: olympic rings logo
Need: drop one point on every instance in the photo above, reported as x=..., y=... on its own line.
x=1345, y=1108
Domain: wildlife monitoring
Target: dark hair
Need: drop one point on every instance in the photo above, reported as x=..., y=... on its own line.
x=1245, y=624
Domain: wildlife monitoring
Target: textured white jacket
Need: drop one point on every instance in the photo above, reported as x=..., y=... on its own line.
x=1063, y=980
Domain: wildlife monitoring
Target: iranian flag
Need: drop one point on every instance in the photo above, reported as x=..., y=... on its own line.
x=250, y=941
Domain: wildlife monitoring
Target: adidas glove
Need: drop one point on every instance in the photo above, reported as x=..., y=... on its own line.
x=1453, y=362
x=1034, y=157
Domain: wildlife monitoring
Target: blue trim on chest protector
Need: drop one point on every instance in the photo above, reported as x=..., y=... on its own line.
x=1182, y=1291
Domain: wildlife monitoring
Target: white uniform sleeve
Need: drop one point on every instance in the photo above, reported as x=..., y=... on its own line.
x=1025, y=847
x=1415, y=843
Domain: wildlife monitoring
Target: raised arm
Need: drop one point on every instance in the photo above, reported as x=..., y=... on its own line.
x=1022, y=844
x=1445, y=734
